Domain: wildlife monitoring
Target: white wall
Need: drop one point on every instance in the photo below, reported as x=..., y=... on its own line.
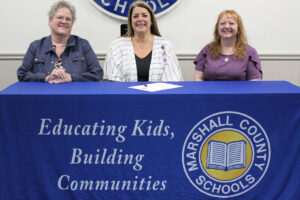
x=272, y=27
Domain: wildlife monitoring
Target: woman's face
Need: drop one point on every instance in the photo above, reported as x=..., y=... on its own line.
x=228, y=27
x=141, y=20
x=62, y=22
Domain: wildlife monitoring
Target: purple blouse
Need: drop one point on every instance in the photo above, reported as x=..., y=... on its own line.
x=227, y=68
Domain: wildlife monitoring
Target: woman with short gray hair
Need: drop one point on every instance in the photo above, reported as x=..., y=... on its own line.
x=60, y=57
x=62, y=4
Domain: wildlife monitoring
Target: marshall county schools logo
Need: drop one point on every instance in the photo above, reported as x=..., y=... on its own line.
x=226, y=154
x=119, y=8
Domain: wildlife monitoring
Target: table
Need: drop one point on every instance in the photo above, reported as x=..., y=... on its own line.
x=205, y=140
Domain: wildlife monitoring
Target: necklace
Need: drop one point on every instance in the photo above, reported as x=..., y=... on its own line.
x=143, y=45
x=226, y=59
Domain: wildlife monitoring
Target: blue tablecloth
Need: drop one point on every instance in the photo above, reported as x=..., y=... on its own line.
x=205, y=140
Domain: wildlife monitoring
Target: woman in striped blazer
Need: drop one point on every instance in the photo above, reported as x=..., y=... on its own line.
x=141, y=54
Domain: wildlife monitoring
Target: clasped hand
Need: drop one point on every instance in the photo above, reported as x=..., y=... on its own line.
x=58, y=75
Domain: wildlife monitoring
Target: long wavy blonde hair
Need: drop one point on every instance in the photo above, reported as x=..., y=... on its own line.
x=241, y=38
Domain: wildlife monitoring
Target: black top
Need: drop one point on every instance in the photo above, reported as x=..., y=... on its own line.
x=143, y=66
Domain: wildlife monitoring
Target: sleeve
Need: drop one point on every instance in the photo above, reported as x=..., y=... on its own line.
x=254, y=66
x=25, y=72
x=94, y=71
x=174, y=71
x=201, y=59
x=112, y=64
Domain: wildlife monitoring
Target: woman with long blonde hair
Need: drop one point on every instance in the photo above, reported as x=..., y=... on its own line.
x=228, y=56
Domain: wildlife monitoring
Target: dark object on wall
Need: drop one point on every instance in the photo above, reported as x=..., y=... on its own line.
x=123, y=29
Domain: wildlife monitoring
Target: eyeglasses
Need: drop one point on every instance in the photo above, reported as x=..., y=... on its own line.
x=61, y=18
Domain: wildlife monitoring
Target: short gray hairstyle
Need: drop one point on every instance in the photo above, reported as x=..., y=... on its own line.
x=62, y=4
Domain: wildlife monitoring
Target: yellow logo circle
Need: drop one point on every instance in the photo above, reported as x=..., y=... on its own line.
x=226, y=138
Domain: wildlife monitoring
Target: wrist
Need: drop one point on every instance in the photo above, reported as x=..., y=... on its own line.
x=47, y=78
x=69, y=77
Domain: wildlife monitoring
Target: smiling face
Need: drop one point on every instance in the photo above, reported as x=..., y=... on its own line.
x=227, y=27
x=141, y=20
x=62, y=22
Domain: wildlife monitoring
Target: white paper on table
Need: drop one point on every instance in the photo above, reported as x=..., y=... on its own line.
x=154, y=87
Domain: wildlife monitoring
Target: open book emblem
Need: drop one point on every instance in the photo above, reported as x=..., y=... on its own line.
x=223, y=156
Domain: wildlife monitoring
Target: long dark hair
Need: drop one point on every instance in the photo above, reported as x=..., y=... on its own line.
x=143, y=4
